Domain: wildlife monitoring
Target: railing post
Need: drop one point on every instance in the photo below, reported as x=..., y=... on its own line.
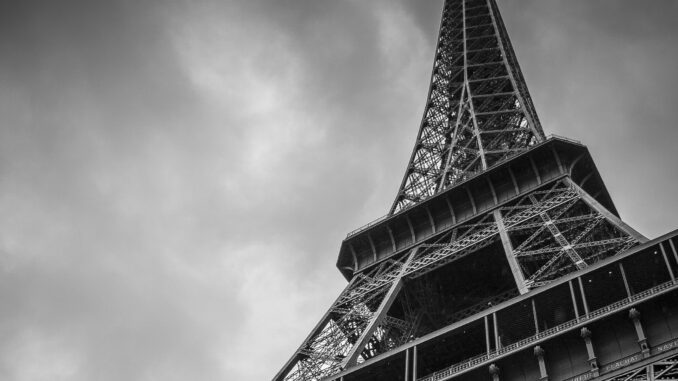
x=668, y=264
x=414, y=364
x=494, y=372
x=534, y=313
x=539, y=354
x=497, y=343
x=487, y=336
x=634, y=315
x=583, y=297
x=593, y=362
x=673, y=249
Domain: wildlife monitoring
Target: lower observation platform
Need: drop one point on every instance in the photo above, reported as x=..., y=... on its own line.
x=615, y=320
x=552, y=160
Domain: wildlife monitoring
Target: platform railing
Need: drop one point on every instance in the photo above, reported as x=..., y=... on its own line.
x=551, y=332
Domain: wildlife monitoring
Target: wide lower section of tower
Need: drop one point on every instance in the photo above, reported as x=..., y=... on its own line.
x=524, y=271
x=616, y=320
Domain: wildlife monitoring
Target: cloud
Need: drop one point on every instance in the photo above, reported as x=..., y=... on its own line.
x=176, y=177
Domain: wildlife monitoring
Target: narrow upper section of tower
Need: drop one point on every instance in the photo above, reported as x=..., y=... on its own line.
x=479, y=111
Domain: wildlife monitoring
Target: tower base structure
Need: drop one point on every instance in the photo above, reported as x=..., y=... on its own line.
x=522, y=272
x=503, y=256
x=615, y=320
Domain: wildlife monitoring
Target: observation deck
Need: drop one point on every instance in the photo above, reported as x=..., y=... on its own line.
x=506, y=181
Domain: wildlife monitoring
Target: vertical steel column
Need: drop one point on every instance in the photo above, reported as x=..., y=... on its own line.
x=666, y=260
x=574, y=299
x=626, y=282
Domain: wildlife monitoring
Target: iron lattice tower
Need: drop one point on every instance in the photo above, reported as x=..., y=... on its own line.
x=478, y=110
x=500, y=241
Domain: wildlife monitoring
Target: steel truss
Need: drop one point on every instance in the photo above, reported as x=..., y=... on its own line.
x=566, y=238
x=661, y=370
x=478, y=112
x=554, y=230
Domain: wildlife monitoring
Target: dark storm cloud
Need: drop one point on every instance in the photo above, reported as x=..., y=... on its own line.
x=177, y=176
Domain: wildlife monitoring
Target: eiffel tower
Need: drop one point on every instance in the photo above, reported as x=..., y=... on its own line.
x=503, y=256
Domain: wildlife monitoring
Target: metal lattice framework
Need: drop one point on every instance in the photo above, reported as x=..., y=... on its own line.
x=478, y=111
x=563, y=239
x=357, y=326
x=478, y=114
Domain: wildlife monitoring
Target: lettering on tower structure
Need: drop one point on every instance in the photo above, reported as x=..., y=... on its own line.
x=622, y=363
x=667, y=346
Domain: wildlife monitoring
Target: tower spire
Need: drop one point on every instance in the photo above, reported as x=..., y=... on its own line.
x=478, y=111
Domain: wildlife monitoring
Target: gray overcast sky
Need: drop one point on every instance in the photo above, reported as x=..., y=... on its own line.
x=176, y=176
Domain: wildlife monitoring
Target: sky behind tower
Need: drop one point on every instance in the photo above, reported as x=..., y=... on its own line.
x=176, y=177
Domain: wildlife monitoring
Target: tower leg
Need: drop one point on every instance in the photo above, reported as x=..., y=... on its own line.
x=508, y=251
x=378, y=316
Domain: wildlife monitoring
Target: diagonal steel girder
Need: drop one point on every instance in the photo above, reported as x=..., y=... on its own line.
x=378, y=315
x=325, y=350
x=581, y=237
